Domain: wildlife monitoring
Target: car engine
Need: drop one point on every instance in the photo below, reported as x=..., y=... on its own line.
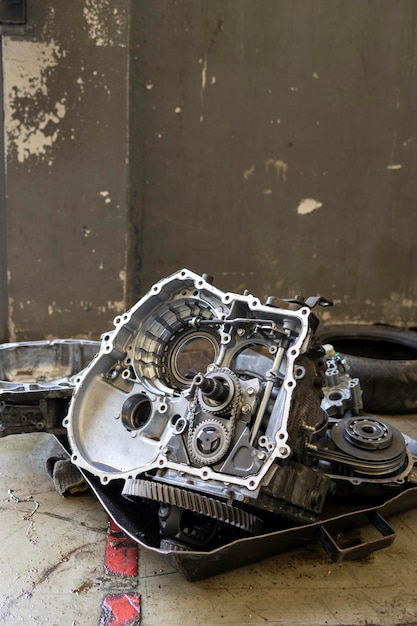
x=222, y=413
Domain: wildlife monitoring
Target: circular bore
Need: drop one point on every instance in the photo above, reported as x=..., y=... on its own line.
x=191, y=353
x=136, y=412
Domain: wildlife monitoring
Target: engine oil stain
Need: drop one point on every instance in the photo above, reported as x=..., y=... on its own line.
x=84, y=587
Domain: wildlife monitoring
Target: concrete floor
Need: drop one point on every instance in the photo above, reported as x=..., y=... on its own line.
x=52, y=570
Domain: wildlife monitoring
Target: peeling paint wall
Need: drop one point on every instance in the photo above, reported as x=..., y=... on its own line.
x=66, y=127
x=4, y=332
x=107, y=22
x=270, y=144
x=32, y=120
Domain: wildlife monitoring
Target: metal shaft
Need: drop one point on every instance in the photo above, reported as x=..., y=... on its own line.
x=268, y=389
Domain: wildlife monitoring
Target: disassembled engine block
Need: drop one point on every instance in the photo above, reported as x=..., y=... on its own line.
x=223, y=414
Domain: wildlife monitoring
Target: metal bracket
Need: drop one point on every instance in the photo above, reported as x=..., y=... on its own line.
x=359, y=549
x=139, y=524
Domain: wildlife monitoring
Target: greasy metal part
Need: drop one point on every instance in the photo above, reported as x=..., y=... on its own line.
x=195, y=502
x=207, y=415
x=37, y=379
x=341, y=392
x=185, y=529
x=272, y=374
x=338, y=518
x=198, y=430
x=45, y=415
x=368, y=446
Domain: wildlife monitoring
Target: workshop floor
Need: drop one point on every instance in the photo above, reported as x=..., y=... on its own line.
x=52, y=568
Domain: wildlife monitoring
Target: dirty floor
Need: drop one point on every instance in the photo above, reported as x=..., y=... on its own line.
x=52, y=567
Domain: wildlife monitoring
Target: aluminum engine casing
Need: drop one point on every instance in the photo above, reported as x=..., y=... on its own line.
x=142, y=408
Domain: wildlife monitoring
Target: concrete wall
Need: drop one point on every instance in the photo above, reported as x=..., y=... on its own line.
x=4, y=332
x=272, y=144
x=277, y=147
x=66, y=121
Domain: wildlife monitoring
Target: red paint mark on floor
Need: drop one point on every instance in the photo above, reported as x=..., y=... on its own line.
x=121, y=610
x=121, y=553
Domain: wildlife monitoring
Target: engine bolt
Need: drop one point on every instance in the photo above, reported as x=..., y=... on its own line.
x=261, y=455
x=116, y=416
x=250, y=391
x=240, y=332
x=245, y=408
x=308, y=428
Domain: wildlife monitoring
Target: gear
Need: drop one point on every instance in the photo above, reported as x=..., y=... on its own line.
x=209, y=441
x=193, y=501
x=221, y=377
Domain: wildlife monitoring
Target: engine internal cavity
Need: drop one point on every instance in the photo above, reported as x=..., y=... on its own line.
x=195, y=381
x=167, y=351
x=186, y=354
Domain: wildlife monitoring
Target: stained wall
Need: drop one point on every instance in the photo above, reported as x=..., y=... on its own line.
x=65, y=85
x=271, y=144
x=277, y=145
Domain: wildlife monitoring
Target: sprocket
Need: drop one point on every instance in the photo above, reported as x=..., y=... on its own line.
x=209, y=441
x=225, y=378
